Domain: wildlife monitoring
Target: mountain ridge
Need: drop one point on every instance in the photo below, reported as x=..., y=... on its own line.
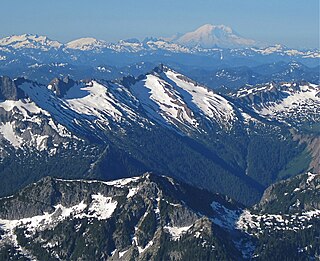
x=153, y=217
x=109, y=126
x=30, y=41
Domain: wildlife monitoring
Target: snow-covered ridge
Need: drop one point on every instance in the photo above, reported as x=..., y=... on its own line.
x=163, y=96
x=164, y=45
x=207, y=39
x=282, y=50
x=286, y=102
x=211, y=104
x=86, y=44
x=96, y=206
x=120, y=183
x=90, y=105
x=248, y=91
x=100, y=207
x=289, y=88
x=170, y=97
x=166, y=96
x=29, y=41
x=278, y=48
x=161, y=100
x=252, y=222
x=92, y=99
x=306, y=95
x=25, y=128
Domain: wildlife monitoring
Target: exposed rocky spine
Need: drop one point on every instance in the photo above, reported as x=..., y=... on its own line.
x=9, y=90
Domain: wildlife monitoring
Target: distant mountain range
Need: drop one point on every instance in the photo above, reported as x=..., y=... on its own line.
x=198, y=54
x=202, y=40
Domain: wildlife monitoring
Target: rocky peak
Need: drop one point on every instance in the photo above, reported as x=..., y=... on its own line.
x=9, y=90
x=61, y=86
x=160, y=68
x=126, y=80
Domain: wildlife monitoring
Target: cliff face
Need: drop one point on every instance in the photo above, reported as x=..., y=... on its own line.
x=61, y=86
x=8, y=90
x=312, y=142
x=314, y=146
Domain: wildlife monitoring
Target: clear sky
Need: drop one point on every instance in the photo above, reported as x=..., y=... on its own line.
x=294, y=23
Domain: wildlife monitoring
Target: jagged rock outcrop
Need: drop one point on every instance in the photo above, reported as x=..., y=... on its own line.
x=61, y=86
x=8, y=90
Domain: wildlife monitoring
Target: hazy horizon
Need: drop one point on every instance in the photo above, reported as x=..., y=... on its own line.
x=290, y=23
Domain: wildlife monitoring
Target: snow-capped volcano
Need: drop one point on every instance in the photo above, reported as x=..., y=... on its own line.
x=210, y=36
x=29, y=41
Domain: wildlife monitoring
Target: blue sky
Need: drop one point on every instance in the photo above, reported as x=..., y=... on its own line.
x=294, y=23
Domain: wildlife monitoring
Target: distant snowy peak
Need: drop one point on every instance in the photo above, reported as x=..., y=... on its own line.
x=29, y=41
x=277, y=48
x=153, y=44
x=157, y=44
x=287, y=88
x=211, y=36
x=126, y=46
x=283, y=50
x=208, y=40
x=87, y=44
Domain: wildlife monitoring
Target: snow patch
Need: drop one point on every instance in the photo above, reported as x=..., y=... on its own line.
x=311, y=177
x=9, y=133
x=101, y=207
x=177, y=232
x=225, y=217
x=120, y=183
x=121, y=254
x=132, y=191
